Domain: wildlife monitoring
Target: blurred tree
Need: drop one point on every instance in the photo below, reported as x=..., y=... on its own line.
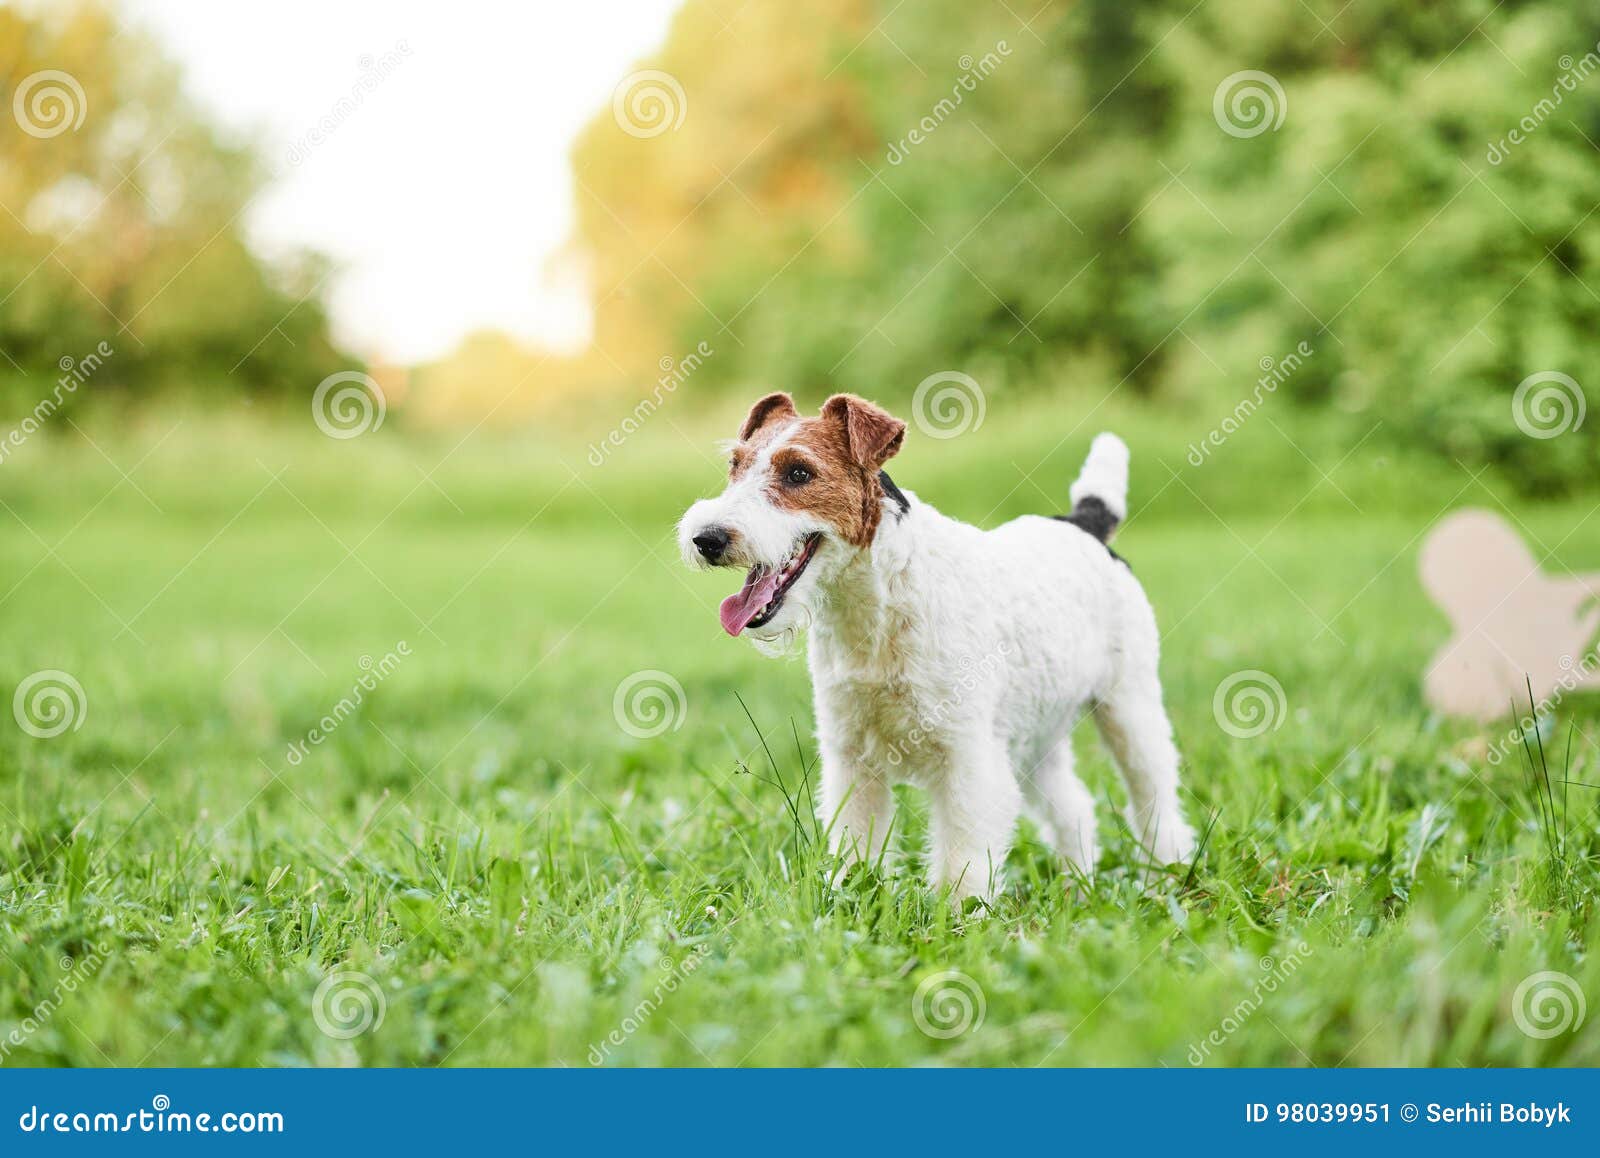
x=680, y=225
x=490, y=374
x=1431, y=265
x=122, y=223
x=1039, y=193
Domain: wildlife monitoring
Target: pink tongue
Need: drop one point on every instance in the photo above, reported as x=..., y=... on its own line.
x=743, y=606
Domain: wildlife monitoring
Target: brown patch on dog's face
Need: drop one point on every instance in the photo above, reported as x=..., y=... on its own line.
x=826, y=466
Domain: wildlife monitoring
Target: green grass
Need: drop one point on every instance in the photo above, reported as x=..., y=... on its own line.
x=522, y=878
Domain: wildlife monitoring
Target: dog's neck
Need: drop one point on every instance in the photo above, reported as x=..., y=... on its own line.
x=868, y=600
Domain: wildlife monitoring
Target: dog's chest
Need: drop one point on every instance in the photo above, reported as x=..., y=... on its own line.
x=889, y=709
x=895, y=727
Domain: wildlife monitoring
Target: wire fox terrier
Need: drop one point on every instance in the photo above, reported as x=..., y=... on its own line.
x=942, y=655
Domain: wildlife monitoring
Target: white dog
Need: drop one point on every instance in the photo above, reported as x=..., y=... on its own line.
x=943, y=655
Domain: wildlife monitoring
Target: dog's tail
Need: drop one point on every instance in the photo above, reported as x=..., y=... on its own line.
x=1100, y=496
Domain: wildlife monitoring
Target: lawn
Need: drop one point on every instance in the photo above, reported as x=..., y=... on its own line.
x=492, y=859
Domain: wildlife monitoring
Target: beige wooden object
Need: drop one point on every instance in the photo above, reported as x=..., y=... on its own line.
x=1511, y=622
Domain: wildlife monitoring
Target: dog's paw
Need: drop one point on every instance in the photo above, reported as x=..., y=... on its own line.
x=1174, y=845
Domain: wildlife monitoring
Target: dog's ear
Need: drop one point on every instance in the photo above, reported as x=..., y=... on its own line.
x=773, y=406
x=872, y=433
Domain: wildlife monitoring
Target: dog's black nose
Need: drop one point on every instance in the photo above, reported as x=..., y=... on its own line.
x=711, y=542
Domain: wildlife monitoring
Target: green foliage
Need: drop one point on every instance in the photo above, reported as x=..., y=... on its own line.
x=1078, y=219
x=129, y=229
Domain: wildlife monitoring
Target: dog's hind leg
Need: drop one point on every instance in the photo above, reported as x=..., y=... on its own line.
x=1065, y=807
x=1134, y=725
x=976, y=803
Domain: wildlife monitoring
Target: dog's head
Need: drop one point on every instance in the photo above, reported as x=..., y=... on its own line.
x=803, y=498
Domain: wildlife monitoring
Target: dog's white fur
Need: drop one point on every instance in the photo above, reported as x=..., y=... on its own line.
x=958, y=660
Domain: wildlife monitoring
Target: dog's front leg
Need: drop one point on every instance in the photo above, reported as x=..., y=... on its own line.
x=857, y=809
x=976, y=803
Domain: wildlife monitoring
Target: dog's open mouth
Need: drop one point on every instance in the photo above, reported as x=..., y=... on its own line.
x=764, y=588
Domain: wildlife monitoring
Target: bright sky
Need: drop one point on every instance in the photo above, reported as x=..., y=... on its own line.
x=445, y=197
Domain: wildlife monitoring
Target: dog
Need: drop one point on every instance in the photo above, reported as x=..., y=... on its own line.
x=942, y=655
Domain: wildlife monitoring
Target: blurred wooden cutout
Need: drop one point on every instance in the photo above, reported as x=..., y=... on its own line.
x=1512, y=622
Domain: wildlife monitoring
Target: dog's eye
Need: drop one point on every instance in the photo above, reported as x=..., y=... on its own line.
x=797, y=476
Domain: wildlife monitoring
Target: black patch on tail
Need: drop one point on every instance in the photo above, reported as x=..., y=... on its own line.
x=894, y=493
x=1091, y=515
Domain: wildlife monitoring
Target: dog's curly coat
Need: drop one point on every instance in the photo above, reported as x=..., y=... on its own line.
x=943, y=655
